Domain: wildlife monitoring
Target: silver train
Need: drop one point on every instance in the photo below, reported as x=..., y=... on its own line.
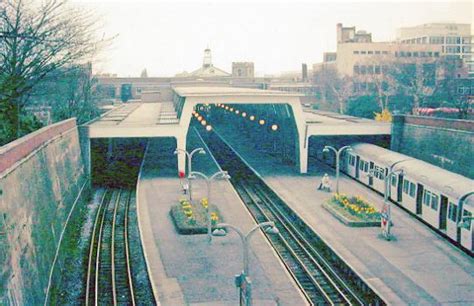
x=441, y=198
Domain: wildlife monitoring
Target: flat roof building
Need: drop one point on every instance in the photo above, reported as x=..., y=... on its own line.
x=453, y=38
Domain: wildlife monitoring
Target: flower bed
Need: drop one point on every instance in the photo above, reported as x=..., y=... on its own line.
x=353, y=211
x=191, y=219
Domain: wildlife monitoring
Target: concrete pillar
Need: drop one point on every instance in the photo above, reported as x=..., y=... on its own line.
x=181, y=144
x=303, y=156
x=117, y=91
x=85, y=144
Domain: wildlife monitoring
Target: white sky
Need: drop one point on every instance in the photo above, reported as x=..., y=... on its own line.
x=169, y=37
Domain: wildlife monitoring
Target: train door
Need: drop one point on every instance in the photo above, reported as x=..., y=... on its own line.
x=443, y=212
x=419, y=199
x=371, y=174
x=357, y=166
x=400, y=188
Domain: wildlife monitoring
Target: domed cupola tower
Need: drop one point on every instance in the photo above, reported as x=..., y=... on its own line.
x=207, y=61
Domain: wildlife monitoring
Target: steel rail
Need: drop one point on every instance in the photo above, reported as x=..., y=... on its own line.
x=346, y=290
x=285, y=240
x=127, y=251
x=91, y=246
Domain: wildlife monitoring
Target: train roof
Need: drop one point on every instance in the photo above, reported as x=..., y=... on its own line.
x=447, y=182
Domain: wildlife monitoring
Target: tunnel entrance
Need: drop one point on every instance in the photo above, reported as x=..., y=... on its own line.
x=115, y=162
x=270, y=129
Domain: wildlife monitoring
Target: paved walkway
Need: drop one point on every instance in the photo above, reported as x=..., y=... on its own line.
x=186, y=269
x=419, y=267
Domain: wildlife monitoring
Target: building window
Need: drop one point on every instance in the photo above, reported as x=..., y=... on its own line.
x=466, y=40
x=363, y=52
x=452, y=211
x=415, y=54
x=363, y=70
x=453, y=49
x=438, y=40
x=436, y=54
x=466, y=49
x=384, y=52
x=377, y=69
x=356, y=69
x=451, y=40
x=408, y=54
x=370, y=52
x=422, y=54
x=356, y=52
x=430, y=54
x=377, y=52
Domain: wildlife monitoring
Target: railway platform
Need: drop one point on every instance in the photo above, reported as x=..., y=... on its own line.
x=417, y=267
x=187, y=270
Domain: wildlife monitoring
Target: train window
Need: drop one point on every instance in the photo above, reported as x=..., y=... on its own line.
x=467, y=218
x=452, y=211
x=412, y=189
x=351, y=160
x=361, y=165
x=434, y=201
x=427, y=198
x=406, y=185
x=394, y=180
x=366, y=167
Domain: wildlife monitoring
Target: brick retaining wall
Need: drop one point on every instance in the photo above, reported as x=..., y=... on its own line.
x=15, y=151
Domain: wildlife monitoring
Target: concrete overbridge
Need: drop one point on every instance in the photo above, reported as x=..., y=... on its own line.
x=173, y=118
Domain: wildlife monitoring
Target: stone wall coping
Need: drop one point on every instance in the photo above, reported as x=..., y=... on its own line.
x=18, y=149
x=454, y=124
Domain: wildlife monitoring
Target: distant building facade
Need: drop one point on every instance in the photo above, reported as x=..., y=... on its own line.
x=453, y=38
x=208, y=70
x=243, y=70
x=357, y=54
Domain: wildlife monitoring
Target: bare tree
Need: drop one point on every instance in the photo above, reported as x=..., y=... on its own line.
x=453, y=90
x=74, y=94
x=36, y=39
x=334, y=86
x=416, y=79
x=382, y=83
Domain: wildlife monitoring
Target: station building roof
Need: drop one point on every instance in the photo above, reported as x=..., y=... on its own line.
x=228, y=91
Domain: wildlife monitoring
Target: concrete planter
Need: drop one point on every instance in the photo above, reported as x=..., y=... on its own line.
x=352, y=223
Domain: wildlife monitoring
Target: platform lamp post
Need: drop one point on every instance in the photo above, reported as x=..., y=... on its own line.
x=338, y=154
x=386, y=213
x=190, y=159
x=209, y=180
x=242, y=281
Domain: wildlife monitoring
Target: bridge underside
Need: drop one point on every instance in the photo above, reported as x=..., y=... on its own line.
x=284, y=131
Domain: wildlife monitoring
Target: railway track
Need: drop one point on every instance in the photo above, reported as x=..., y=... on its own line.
x=109, y=277
x=321, y=274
